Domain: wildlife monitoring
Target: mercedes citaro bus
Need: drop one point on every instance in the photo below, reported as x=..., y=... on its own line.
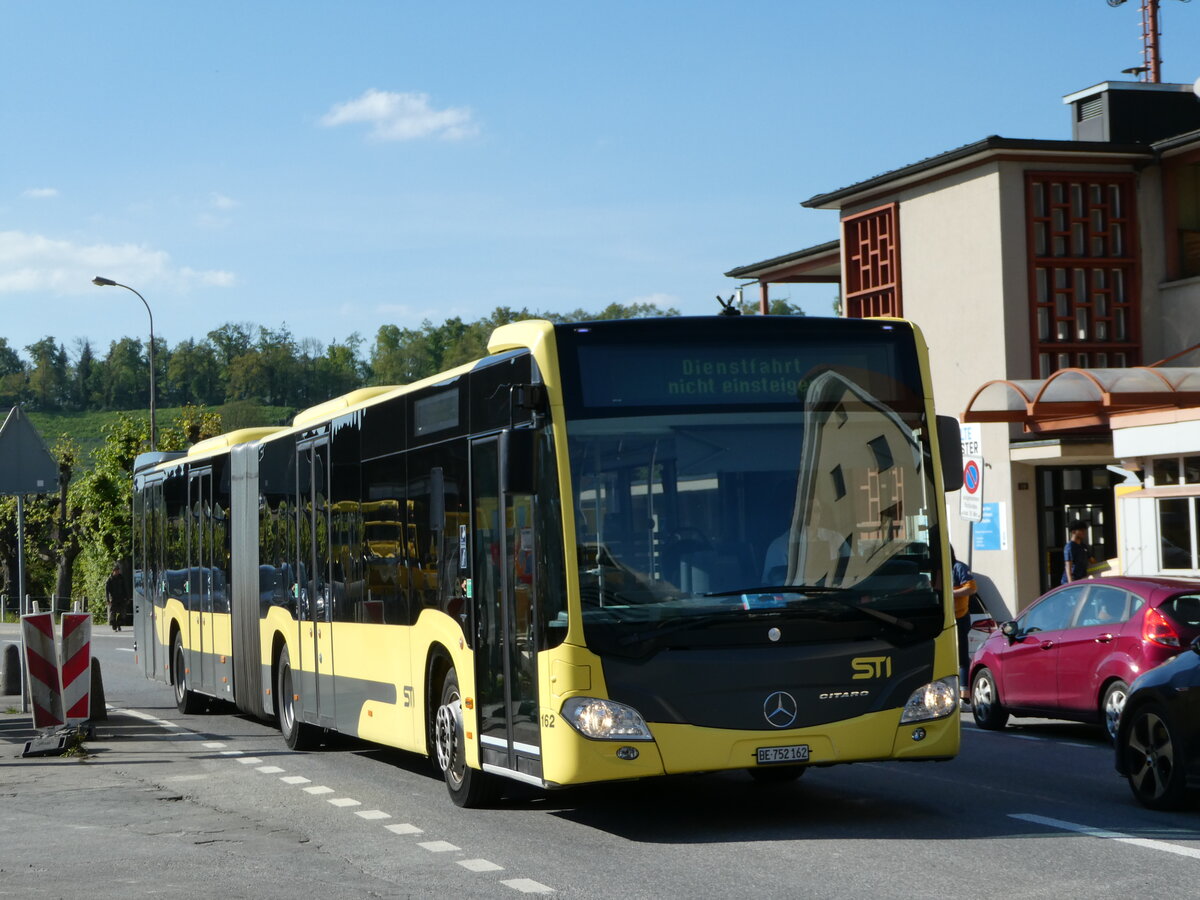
x=607, y=550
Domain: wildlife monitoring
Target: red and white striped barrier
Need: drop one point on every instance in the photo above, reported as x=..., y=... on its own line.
x=76, y=666
x=41, y=662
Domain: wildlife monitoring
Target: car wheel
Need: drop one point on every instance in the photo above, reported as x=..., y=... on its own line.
x=1154, y=759
x=186, y=700
x=985, y=702
x=468, y=787
x=1111, y=706
x=297, y=735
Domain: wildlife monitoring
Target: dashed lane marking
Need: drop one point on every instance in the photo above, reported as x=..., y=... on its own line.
x=480, y=865
x=527, y=886
x=438, y=846
x=523, y=885
x=404, y=829
x=1107, y=835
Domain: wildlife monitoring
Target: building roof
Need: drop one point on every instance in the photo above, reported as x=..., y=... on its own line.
x=971, y=155
x=818, y=263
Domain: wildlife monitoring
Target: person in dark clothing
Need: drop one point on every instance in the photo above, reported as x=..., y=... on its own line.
x=1076, y=555
x=964, y=588
x=116, y=597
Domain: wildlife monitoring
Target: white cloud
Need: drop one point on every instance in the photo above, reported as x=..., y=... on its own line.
x=220, y=201
x=402, y=117
x=35, y=263
x=40, y=193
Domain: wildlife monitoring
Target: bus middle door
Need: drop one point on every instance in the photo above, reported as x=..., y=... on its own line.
x=199, y=581
x=505, y=650
x=315, y=609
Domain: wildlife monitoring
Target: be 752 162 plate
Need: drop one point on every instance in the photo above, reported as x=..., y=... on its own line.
x=793, y=754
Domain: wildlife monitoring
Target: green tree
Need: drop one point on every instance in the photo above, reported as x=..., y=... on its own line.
x=12, y=375
x=194, y=374
x=125, y=379
x=84, y=378
x=48, y=379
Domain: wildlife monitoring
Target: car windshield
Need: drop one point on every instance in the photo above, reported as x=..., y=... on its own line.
x=691, y=520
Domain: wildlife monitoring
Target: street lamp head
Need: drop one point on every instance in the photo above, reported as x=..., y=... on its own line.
x=103, y=282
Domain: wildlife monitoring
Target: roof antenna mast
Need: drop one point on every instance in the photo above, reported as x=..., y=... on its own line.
x=1151, y=68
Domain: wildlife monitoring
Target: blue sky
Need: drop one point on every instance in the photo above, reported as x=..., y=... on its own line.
x=333, y=167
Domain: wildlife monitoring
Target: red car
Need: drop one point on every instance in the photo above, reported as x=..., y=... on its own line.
x=1073, y=652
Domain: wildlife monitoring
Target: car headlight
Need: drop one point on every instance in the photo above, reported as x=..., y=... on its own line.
x=605, y=720
x=935, y=700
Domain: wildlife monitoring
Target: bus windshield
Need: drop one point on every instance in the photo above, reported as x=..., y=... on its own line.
x=807, y=495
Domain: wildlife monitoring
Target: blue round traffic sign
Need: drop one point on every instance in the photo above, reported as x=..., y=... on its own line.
x=971, y=477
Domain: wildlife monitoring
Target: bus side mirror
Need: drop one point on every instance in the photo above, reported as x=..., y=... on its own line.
x=517, y=455
x=950, y=444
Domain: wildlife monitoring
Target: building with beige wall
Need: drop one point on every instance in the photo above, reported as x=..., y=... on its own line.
x=1020, y=259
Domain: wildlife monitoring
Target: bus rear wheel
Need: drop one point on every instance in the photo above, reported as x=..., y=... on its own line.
x=187, y=701
x=469, y=788
x=297, y=735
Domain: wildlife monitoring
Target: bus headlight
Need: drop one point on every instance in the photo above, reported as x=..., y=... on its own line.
x=605, y=720
x=935, y=700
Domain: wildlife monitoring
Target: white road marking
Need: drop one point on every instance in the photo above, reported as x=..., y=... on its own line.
x=1108, y=835
x=404, y=829
x=295, y=779
x=186, y=778
x=269, y=770
x=437, y=846
x=344, y=801
x=214, y=745
x=528, y=886
x=233, y=753
x=480, y=865
x=249, y=760
x=373, y=814
x=318, y=789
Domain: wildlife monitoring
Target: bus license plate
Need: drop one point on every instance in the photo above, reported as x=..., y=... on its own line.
x=795, y=753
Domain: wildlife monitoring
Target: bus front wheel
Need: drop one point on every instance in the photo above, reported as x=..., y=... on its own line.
x=468, y=787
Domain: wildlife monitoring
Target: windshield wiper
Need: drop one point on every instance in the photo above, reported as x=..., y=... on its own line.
x=825, y=592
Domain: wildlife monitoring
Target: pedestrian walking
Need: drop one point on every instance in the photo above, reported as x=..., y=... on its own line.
x=964, y=589
x=116, y=597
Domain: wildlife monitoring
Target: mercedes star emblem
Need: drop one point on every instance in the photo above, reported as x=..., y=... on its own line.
x=780, y=709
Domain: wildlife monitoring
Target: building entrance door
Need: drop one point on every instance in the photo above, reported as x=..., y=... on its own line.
x=1069, y=494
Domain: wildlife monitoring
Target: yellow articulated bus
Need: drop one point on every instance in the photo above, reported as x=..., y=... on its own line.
x=609, y=550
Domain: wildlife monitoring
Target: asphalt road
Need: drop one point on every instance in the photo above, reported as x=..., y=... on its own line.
x=171, y=804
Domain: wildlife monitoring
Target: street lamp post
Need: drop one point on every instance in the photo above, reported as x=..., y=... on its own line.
x=108, y=282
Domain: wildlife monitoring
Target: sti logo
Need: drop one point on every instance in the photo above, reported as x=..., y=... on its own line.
x=871, y=667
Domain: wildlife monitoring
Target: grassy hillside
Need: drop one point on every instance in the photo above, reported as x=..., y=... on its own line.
x=87, y=427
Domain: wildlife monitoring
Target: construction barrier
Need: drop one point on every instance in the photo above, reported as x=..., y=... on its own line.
x=76, y=666
x=41, y=661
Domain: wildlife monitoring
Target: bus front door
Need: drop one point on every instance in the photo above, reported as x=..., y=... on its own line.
x=315, y=609
x=502, y=588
